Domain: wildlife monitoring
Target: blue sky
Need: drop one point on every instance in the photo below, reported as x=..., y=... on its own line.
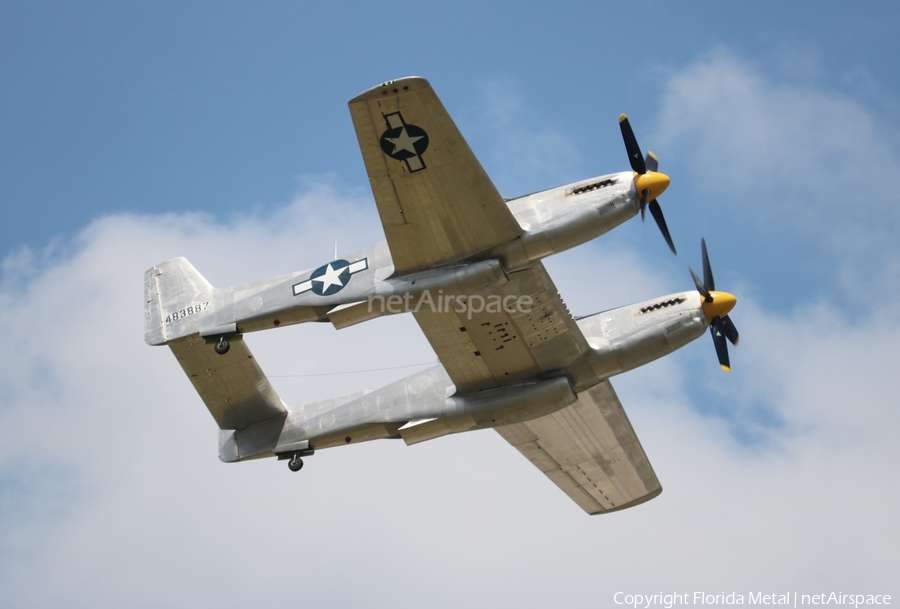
x=133, y=133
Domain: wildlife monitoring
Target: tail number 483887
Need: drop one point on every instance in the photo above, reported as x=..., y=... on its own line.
x=187, y=312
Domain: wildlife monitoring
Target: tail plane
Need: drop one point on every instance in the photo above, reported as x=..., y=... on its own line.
x=180, y=309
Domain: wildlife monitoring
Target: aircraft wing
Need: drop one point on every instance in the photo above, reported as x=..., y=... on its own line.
x=590, y=451
x=526, y=334
x=435, y=200
x=233, y=387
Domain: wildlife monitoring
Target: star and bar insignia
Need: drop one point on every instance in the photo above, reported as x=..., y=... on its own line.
x=330, y=278
x=404, y=142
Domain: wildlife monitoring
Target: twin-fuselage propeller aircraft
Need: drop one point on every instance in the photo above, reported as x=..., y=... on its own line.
x=467, y=264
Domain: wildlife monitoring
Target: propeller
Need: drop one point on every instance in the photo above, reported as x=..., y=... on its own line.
x=647, y=180
x=716, y=306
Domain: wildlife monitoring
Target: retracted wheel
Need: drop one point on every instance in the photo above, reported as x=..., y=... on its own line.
x=222, y=346
x=296, y=463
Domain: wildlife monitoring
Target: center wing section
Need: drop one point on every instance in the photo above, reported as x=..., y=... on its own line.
x=590, y=451
x=513, y=332
x=436, y=202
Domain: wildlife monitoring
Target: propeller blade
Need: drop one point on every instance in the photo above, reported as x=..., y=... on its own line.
x=718, y=334
x=730, y=330
x=631, y=146
x=701, y=288
x=656, y=212
x=657, y=181
x=708, y=280
x=716, y=309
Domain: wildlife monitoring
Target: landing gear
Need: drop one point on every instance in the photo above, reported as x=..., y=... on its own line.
x=296, y=463
x=222, y=346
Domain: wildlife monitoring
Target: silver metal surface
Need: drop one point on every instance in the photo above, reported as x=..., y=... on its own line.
x=535, y=373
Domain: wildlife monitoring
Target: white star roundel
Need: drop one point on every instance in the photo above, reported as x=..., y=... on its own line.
x=404, y=142
x=331, y=278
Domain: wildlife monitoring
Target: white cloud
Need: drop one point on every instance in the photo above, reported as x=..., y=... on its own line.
x=776, y=153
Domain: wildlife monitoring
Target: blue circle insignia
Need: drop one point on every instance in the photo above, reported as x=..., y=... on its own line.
x=404, y=142
x=331, y=278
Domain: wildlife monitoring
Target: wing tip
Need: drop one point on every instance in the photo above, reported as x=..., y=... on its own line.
x=642, y=499
x=392, y=88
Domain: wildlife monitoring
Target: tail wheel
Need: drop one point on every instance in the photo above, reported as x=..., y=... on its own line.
x=296, y=463
x=222, y=346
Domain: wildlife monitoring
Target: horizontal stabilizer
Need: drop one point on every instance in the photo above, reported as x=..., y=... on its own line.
x=233, y=387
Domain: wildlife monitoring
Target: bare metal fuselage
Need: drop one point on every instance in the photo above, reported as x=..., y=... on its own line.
x=621, y=339
x=552, y=221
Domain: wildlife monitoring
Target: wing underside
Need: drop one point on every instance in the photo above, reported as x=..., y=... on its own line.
x=435, y=200
x=510, y=333
x=590, y=451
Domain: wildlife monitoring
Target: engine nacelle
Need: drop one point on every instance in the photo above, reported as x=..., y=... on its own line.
x=561, y=218
x=628, y=337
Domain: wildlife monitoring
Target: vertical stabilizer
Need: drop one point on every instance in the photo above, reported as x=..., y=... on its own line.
x=175, y=295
